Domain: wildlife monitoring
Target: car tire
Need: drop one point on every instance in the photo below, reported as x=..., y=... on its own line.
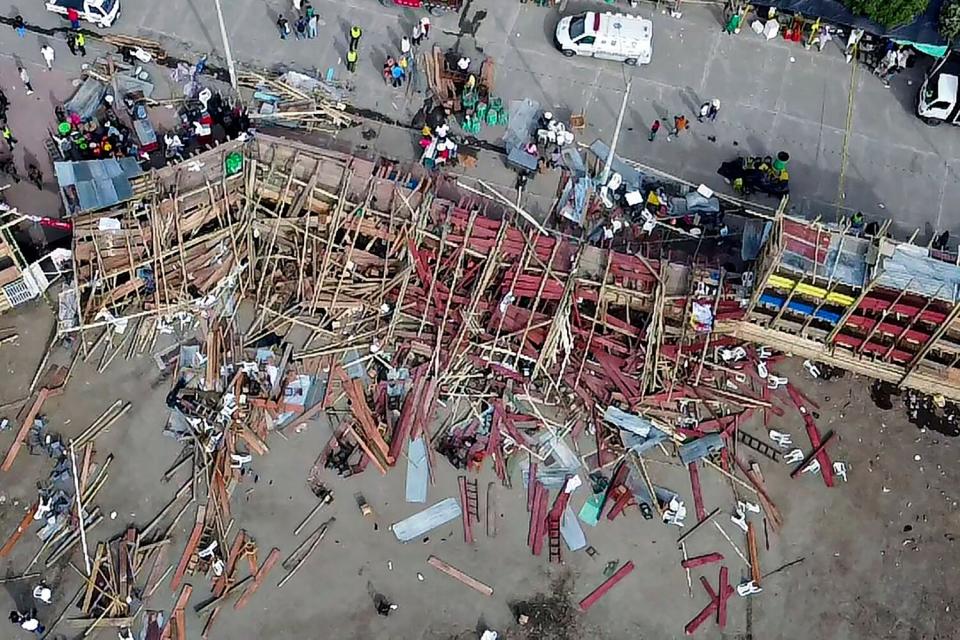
x=932, y=122
x=631, y=62
x=568, y=52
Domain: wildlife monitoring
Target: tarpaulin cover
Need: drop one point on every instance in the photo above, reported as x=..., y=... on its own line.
x=923, y=30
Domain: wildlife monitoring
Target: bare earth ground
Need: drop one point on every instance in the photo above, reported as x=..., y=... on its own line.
x=877, y=564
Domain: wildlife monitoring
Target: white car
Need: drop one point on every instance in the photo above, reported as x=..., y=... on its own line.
x=610, y=36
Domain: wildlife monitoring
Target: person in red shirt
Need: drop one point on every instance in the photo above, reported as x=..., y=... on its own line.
x=73, y=17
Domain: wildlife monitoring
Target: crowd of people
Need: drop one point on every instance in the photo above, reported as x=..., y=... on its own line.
x=396, y=69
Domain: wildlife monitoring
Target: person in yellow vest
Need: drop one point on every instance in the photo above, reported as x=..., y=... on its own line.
x=355, y=33
x=352, y=57
x=81, y=43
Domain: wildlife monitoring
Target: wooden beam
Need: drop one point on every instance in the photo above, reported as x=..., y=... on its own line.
x=262, y=572
x=460, y=576
x=14, y=449
x=191, y=546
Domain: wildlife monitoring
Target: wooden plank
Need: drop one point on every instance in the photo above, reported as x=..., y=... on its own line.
x=188, y=550
x=14, y=449
x=460, y=576
x=177, y=619
x=595, y=595
x=19, y=531
x=221, y=583
x=265, y=568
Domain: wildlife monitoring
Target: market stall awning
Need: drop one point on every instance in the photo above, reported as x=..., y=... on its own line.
x=922, y=33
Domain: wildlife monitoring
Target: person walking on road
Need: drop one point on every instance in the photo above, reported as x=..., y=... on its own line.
x=425, y=27
x=397, y=74
x=36, y=177
x=352, y=57
x=26, y=80
x=8, y=167
x=355, y=33
x=81, y=41
x=19, y=26
x=312, y=22
x=283, y=27
x=48, y=54
x=8, y=136
x=714, y=109
x=297, y=4
x=653, y=130
x=72, y=43
x=74, y=17
x=417, y=35
x=404, y=45
x=709, y=110
x=27, y=622
x=679, y=124
x=41, y=592
x=300, y=27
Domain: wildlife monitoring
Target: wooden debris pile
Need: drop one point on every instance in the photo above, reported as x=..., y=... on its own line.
x=296, y=100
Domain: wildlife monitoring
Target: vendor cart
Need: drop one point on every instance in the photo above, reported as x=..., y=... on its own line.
x=435, y=7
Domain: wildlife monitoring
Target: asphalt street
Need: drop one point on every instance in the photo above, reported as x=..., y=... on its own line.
x=861, y=149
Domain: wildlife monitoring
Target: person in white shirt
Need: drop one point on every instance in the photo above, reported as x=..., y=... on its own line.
x=43, y=593
x=48, y=54
x=404, y=45
x=27, y=622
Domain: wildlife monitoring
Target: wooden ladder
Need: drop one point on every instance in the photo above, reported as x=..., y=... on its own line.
x=470, y=504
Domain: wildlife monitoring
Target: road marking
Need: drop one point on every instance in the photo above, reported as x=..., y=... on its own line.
x=841, y=196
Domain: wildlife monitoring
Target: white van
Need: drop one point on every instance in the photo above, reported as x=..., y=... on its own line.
x=611, y=36
x=100, y=12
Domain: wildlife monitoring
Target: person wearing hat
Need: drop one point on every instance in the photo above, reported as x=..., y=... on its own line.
x=714, y=109
x=355, y=33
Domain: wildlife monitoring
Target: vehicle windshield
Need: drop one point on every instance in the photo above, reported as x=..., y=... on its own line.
x=106, y=6
x=577, y=27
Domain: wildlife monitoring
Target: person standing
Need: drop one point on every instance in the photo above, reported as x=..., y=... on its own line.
x=48, y=54
x=312, y=21
x=26, y=80
x=714, y=109
x=27, y=622
x=679, y=124
x=404, y=45
x=81, y=44
x=74, y=17
x=704, y=112
x=653, y=130
x=352, y=57
x=425, y=27
x=355, y=33
x=8, y=167
x=283, y=27
x=41, y=592
x=72, y=43
x=397, y=74
x=19, y=26
x=300, y=28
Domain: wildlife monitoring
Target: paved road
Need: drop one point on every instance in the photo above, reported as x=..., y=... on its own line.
x=774, y=95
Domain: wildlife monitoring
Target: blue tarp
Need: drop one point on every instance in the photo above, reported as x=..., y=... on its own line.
x=90, y=185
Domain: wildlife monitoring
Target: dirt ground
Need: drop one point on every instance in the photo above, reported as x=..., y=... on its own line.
x=879, y=552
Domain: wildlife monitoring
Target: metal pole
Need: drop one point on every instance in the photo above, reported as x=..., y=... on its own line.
x=76, y=489
x=226, y=48
x=616, y=135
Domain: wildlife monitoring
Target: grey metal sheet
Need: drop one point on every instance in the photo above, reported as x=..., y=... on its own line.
x=427, y=520
x=418, y=471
